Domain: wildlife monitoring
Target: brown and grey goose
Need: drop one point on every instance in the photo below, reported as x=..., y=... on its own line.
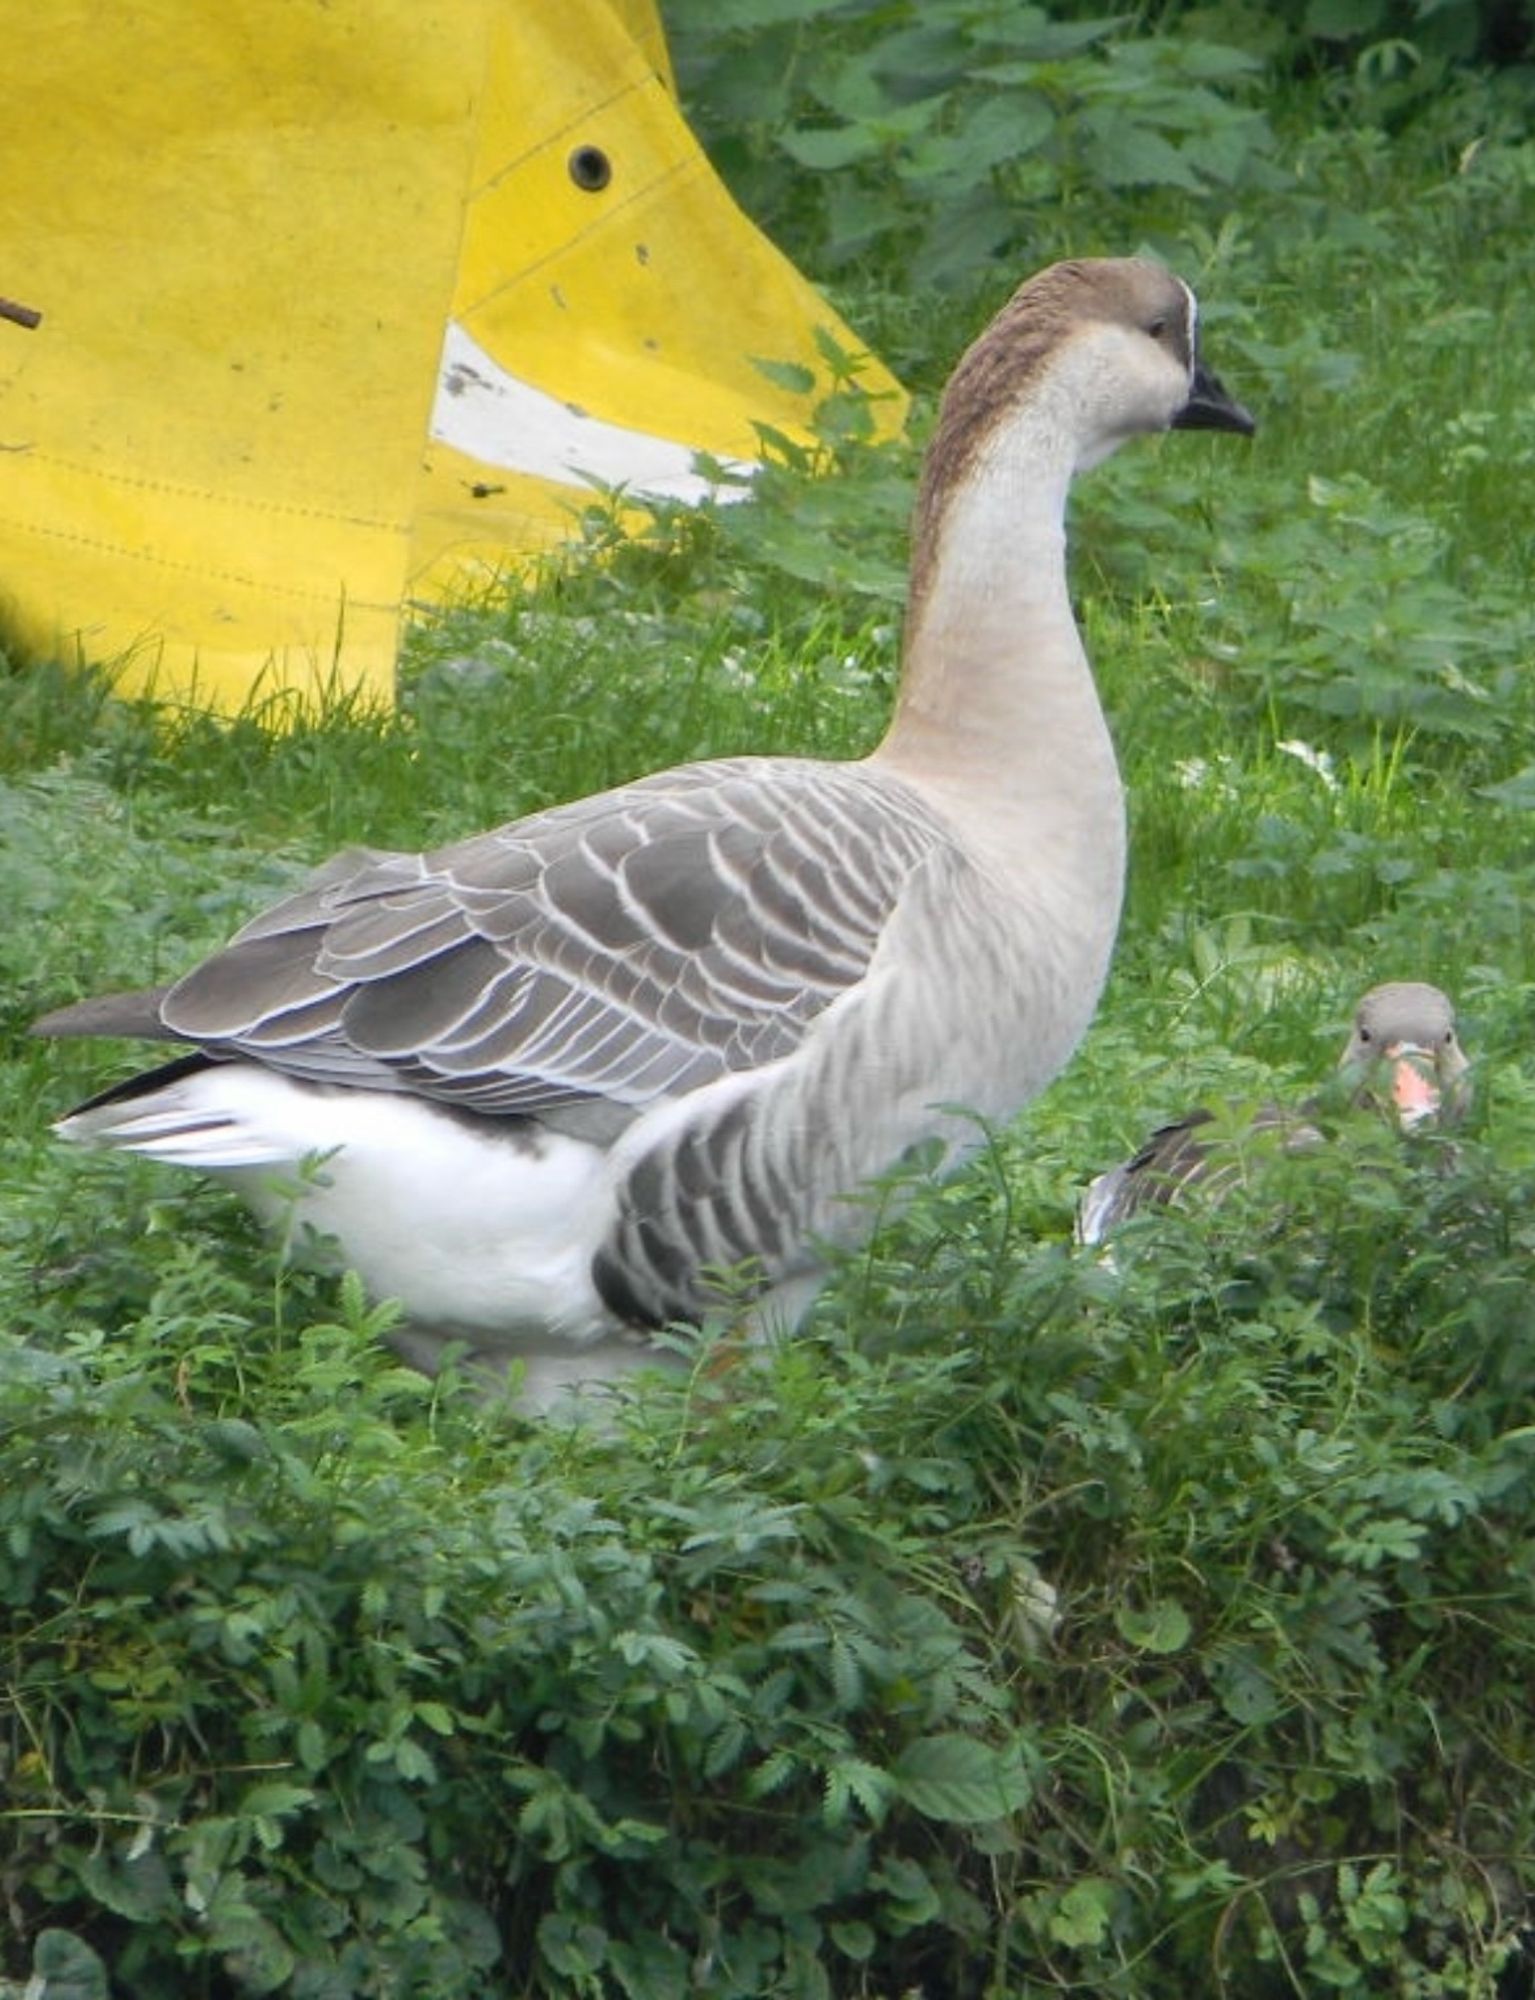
x=565, y=1073
x=1403, y=1056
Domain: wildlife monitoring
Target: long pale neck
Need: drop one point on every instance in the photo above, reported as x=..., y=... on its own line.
x=998, y=719
x=990, y=631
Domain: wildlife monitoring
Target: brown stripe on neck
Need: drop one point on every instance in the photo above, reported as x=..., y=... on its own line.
x=994, y=371
x=998, y=368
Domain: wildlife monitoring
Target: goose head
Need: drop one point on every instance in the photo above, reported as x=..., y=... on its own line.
x=1403, y=1053
x=1103, y=347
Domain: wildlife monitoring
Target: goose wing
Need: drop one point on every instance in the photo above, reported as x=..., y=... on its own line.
x=1170, y=1161
x=621, y=948
x=1196, y=1153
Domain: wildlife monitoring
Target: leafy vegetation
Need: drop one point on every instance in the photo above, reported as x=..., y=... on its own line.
x=947, y=132
x=1035, y=1625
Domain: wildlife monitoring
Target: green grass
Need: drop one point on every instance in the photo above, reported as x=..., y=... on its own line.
x=1030, y=1627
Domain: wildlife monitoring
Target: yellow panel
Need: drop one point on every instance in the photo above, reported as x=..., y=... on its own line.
x=241, y=227
x=258, y=236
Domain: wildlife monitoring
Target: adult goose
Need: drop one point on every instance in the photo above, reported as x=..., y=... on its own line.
x=1403, y=1055
x=565, y=1073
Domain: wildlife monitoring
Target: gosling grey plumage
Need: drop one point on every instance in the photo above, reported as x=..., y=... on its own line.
x=567, y=1071
x=1403, y=1054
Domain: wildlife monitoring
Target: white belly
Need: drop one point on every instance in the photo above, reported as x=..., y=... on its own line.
x=480, y=1229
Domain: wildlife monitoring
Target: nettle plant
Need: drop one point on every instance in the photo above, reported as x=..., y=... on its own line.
x=941, y=132
x=1046, y=1626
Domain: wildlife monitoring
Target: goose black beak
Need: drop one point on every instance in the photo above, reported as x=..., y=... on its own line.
x=1211, y=408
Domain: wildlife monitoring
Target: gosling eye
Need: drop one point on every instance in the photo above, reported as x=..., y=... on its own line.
x=1364, y=1034
x=1158, y=326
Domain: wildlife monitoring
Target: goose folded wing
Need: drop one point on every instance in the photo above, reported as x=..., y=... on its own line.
x=631, y=945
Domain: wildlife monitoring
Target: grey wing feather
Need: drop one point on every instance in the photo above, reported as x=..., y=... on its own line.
x=633, y=944
x=1169, y=1162
x=1179, y=1159
x=135, y=1013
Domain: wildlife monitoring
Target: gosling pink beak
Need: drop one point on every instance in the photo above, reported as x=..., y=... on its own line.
x=1413, y=1089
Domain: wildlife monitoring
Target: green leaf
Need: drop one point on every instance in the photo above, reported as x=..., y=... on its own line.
x=961, y=240
x=1343, y=20
x=930, y=55
x=437, y=1716
x=1031, y=34
x=1217, y=62
x=1083, y=1914
x=68, y=1968
x=1389, y=1538
x=273, y=1799
x=960, y=1779
x=668, y=1657
x=773, y=1772
x=909, y=1898
x=791, y=375
x=846, y=1674
x=573, y=1948
x=650, y=1968
x=257, y=1953
x=856, y=215
x=413, y=1761
x=991, y=133
x=1163, y=1627
x=827, y=147
x=235, y=1440
x=856, y=1940
x=310, y=1742
x=137, y=1884
x=854, y=1778
x=1124, y=153
x=1247, y=1693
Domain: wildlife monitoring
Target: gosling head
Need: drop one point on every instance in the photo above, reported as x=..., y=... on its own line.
x=1403, y=1053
